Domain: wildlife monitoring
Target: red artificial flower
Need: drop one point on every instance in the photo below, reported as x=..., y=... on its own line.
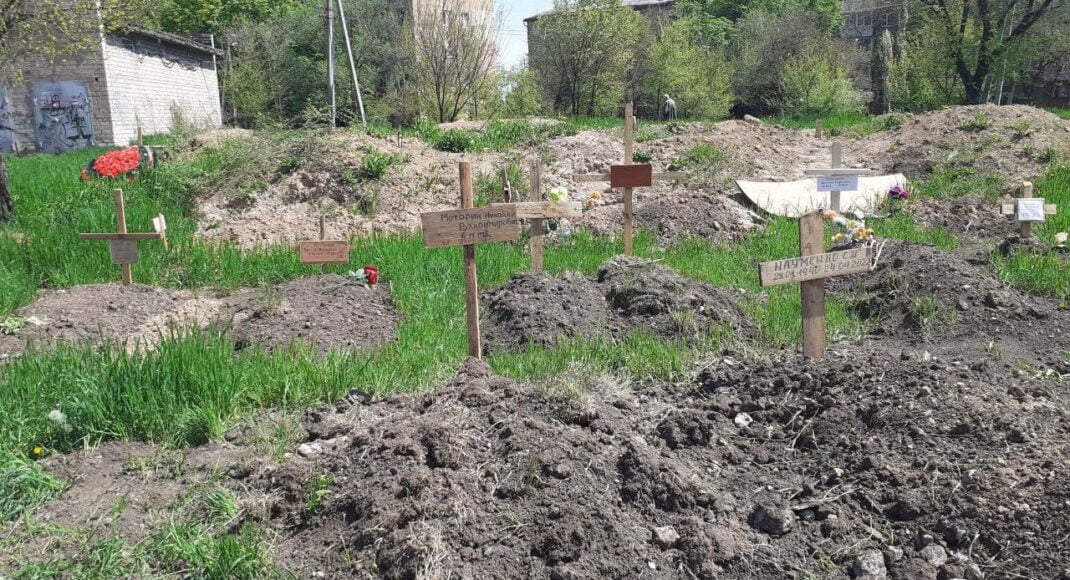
x=119, y=162
x=372, y=274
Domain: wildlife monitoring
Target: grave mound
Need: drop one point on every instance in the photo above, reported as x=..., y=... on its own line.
x=628, y=295
x=920, y=292
x=135, y=316
x=666, y=483
x=327, y=312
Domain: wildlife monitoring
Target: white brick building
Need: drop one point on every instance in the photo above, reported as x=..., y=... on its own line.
x=100, y=96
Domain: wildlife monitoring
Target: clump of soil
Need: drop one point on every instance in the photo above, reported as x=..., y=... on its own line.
x=920, y=292
x=970, y=215
x=328, y=312
x=628, y=295
x=136, y=316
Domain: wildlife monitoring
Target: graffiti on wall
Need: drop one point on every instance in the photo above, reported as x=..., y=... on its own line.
x=7, y=124
x=63, y=117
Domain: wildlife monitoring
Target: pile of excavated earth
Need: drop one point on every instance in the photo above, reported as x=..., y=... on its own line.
x=935, y=447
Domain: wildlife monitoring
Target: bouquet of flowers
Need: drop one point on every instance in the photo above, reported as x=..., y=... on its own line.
x=120, y=163
x=855, y=232
x=559, y=195
x=899, y=193
x=367, y=276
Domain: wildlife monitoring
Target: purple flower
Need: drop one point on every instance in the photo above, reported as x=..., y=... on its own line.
x=899, y=192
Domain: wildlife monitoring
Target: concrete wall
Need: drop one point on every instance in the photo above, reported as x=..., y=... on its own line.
x=151, y=82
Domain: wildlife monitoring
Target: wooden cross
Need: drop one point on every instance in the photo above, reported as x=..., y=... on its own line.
x=467, y=227
x=629, y=176
x=1029, y=210
x=537, y=210
x=836, y=179
x=123, y=245
x=325, y=252
x=810, y=270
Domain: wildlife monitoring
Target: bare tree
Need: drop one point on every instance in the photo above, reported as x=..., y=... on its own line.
x=982, y=31
x=455, y=50
x=46, y=29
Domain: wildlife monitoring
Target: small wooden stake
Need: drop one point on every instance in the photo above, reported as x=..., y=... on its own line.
x=140, y=137
x=629, y=154
x=811, y=242
x=1026, y=228
x=120, y=209
x=471, y=277
x=820, y=129
x=323, y=236
x=507, y=187
x=537, y=228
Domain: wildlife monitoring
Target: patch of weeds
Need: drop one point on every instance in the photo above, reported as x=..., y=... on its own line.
x=289, y=164
x=270, y=300
x=700, y=156
x=13, y=325
x=642, y=157
x=375, y=163
x=213, y=505
x=319, y=489
x=650, y=134
x=1047, y=155
x=929, y=316
x=888, y=122
x=959, y=181
x=489, y=187
x=979, y=122
x=24, y=486
x=1021, y=130
x=455, y=141
x=196, y=552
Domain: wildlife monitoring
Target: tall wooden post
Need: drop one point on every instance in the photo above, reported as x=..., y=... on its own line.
x=471, y=278
x=837, y=162
x=811, y=242
x=629, y=158
x=1026, y=228
x=140, y=136
x=323, y=236
x=120, y=210
x=507, y=187
x=538, y=229
x=820, y=130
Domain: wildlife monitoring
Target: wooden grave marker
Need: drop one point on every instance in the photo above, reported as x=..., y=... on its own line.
x=537, y=210
x=629, y=176
x=122, y=246
x=810, y=270
x=836, y=179
x=324, y=251
x=1029, y=210
x=467, y=227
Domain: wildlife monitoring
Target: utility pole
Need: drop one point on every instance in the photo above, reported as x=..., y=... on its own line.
x=330, y=64
x=352, y=64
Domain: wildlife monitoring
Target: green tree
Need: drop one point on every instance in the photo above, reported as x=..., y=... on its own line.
x=980, y=34
x=524, y=97
x=212, y=16
x=817, y=83
x=582, y=52
x=697, y=78
x=713, y=21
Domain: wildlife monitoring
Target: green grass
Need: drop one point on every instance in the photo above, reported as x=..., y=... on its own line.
x=1044, y=274
x=1062, y=112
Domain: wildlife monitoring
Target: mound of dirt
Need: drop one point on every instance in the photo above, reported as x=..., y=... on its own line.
x=136, y=316
x=919, y=292
x=775, y=470
x=969, y=215
x=328, y=312
x=1013, y=141
x=628, y=295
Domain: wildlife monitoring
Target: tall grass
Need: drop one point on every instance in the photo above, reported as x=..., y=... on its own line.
x=1062, y=112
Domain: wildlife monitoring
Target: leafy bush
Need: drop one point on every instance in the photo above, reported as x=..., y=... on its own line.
x=816, y=84
x=375, y=163
x=642, y=157
x=455, y=141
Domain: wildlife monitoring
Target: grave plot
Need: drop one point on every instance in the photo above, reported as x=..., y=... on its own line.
x=923, y=295
x=136, y=316
x=628, y=295
x=327, y=312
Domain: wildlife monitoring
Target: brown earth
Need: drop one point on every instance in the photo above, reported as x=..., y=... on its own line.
x=289, y=207
x=628, y=295
x=329, y=312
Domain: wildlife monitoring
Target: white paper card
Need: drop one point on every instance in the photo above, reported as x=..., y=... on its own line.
x=159, y=223
x=1031, y=210
x=837, y=183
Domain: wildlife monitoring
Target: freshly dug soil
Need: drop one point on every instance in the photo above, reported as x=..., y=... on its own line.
x=971, y=215
x=136, y=316
x=628, y=295
x=921, y=293
x=327, y=312
x=945, y=470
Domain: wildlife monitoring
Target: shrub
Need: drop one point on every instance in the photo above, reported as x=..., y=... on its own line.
x=455, y=141
x=816, y=84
